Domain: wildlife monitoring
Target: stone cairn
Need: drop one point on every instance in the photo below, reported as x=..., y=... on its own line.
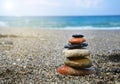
x=76, y=62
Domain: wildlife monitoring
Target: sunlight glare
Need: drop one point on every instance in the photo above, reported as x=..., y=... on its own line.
x=9, y=6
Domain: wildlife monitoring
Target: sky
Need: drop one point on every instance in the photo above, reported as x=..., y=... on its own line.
x=59, y=7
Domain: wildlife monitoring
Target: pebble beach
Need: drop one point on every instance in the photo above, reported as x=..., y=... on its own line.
x=31, y=56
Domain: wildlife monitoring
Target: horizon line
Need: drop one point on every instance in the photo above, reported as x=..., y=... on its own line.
x=52, y=15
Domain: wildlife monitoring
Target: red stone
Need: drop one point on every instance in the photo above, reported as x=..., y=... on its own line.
x=76, y=40
x=66, y=70
x=63, y=70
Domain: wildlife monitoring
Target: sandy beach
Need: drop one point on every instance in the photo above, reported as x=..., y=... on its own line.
x=31, y=56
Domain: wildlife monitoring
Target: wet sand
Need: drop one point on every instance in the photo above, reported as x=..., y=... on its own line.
x=31, y=56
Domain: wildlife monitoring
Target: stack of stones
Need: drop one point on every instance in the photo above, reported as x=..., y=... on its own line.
x=76, y=62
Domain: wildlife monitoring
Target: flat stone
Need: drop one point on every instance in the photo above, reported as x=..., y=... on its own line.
x=79, y=63
x=76, y=46
x=76, y=40
x=115, y=70
x=77, y=35
x=66, y=70
x=76, y=53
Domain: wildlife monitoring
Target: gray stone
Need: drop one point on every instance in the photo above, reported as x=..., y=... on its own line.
x=76, y=46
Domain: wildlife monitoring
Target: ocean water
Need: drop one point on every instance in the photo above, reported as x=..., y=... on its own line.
x=61, y=22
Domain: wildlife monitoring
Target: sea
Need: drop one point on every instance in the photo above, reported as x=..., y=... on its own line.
x=61, y=22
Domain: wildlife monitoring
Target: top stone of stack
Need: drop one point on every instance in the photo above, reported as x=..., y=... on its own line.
x=77, y=36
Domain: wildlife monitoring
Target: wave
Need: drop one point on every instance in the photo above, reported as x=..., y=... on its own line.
x=91, y=28
x=3, y=24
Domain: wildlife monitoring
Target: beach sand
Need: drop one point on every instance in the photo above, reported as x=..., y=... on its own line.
x=31, y=56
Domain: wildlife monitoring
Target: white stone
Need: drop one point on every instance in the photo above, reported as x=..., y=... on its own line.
x=17, y=59
x=14, y=63
x=76, y=52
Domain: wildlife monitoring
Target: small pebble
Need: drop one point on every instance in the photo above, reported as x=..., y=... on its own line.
x=14, y=63
x=17, y=59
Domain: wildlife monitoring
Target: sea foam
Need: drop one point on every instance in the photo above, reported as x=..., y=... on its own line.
x=3, y=24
